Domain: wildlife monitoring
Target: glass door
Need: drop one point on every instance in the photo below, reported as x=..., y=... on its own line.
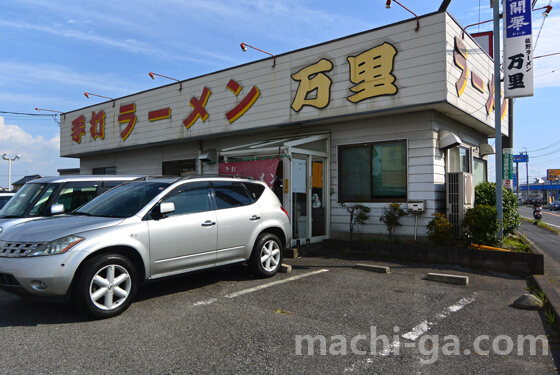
x=299, y=185
x=309, y=198
x=318, y=198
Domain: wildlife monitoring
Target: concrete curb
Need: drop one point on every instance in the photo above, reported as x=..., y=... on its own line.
x=515, y=263
x=372, y=268
x=451, y=279
x=551, y=294
x=285, y=268
x=542, y=282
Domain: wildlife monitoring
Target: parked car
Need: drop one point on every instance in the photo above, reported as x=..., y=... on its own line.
x=5, y=197
x=141, y=231
x=554, y=206
x=48, y=196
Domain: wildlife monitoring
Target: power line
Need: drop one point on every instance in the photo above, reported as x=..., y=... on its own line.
x=550, y=153
x=547, y=147
x=51, y=115
x=26, y=114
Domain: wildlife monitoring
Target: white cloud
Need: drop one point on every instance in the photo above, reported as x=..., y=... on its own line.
x=130, y=45
x=17, y=138
x=39, y=155
x=31, y=73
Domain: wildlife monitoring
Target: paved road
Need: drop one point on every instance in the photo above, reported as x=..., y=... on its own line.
x=547, y=241
x=552, y=218
x=226, y=322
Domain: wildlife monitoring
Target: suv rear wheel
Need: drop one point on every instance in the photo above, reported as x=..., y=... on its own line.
x=267, y=256
x=105, y=286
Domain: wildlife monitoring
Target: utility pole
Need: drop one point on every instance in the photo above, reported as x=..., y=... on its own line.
x=498, y=119
x=527, y=170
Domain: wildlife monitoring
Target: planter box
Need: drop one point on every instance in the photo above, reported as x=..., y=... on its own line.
x=522, y=264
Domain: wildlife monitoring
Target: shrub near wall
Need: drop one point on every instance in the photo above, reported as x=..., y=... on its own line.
x=481, y=225
x=485, y=194
x=440, y=230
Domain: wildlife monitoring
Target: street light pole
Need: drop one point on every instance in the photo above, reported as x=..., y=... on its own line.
x=10, y=160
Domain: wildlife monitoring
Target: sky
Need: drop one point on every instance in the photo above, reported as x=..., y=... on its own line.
x=51, y=52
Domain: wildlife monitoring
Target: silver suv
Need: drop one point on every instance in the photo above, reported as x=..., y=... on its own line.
x=98, y=255
x=55, y=195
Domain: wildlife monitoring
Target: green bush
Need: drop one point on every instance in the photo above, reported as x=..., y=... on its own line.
x=391, y=216
x=359, y=214
x=481, y=225
x=485, y=194
x=439, y=230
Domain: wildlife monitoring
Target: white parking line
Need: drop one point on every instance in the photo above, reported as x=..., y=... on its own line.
x=250, y=290
x=207, y=302
x=423, y=327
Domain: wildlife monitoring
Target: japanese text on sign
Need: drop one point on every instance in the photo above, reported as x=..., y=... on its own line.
x=518, y=49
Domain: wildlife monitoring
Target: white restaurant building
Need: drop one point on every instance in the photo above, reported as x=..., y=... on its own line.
x=383, y=115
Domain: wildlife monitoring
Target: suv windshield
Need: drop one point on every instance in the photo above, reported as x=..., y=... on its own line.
x=31, y=197
x=124, y=200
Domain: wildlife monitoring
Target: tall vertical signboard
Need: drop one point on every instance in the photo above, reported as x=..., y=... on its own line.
x=518, y=49
x=507, y=168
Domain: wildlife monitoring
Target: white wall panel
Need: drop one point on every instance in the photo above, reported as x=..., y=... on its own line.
x=419, y=68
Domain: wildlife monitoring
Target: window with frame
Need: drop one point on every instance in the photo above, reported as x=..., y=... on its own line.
x=479, y=171
x=74, y=194
x=190, y=198
x=373, y=172
x=460, y=159
x=230, y=194
x=104, y=170
x=179, y=168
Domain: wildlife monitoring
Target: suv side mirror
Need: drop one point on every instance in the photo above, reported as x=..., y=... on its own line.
x=57, y=209
x=166, y=208
x=162, y=209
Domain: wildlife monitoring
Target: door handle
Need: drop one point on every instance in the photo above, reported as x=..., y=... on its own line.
x=208, y=223
x=254, y=217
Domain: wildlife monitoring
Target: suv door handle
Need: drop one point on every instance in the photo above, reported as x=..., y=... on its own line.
x=254, y=217
x=208, y=223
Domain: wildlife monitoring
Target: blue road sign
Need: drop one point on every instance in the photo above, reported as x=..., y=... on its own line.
x=521, y=158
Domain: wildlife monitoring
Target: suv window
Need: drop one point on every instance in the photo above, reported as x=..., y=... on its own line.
x=123, y=201
x=190, y=198
x=255, y=190
x=230, y=194
x=40, y=203
x=108, y=185
x=75, y=194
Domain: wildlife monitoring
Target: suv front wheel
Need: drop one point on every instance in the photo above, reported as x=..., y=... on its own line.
x=106, y=286
x=266, y=258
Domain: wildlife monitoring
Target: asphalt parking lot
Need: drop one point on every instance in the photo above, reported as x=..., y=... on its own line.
x=326, y=317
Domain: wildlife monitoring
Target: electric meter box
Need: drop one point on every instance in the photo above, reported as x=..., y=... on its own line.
x=415, y=206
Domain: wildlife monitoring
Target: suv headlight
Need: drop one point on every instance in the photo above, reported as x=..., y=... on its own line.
x=58, y=246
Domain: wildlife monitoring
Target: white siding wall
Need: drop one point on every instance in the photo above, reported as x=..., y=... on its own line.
x=472, y=101
x=425, y=76
x=146, y=161
x=419, y=68
x=416, y=128
x=426, y=164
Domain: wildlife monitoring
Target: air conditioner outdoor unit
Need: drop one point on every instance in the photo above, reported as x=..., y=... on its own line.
x=459, y=197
